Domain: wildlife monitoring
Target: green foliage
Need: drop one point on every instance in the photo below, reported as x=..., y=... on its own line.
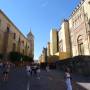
x=27, y=58
x=1, y=56
x=15, y=56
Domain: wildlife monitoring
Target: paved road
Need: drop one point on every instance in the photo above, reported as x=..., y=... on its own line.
x=53, y=80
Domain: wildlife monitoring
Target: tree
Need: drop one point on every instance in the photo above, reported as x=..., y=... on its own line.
x=15, y=56
x=1, y=56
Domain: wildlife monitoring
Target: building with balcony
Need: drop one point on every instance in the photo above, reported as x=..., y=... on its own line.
x=12, y=39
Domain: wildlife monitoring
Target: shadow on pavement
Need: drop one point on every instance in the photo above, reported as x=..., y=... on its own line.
x=81, y=82
x=76, y=86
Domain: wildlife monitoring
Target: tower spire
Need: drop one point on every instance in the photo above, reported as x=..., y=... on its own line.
x=30, y=34
x=30, y=37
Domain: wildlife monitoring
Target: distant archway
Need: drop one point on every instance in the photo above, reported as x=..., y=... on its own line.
x=80, y=45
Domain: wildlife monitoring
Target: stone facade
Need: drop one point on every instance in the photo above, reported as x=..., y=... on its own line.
x=73, y=38
x=53, y=41
x=48, y=49
x=11, y=39
x=30, y=37
x=64, y=40
x=80, y=29
x=43, y=57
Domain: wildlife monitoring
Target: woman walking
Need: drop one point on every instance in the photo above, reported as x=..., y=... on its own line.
x=68, y=80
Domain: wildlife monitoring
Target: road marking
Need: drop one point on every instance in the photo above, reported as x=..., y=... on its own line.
x=28, y=85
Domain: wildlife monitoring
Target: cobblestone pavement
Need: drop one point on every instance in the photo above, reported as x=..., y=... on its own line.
x=53, y=80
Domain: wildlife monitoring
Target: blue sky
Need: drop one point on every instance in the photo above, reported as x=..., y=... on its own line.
x=39, y=15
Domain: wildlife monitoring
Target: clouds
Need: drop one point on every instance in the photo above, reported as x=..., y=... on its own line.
x=44, y=3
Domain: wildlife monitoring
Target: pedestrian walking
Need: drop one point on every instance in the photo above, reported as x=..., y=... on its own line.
x=68, y=79
x=47, y=68
x=6, y=71
x=28, y=69
x=34, y=70
x=38, y=72
x=1, y=69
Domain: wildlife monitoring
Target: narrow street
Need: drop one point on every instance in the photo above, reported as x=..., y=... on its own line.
x=53, y=80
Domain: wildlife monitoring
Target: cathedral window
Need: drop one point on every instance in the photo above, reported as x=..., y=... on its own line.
x=8, y=29
x=14, y=36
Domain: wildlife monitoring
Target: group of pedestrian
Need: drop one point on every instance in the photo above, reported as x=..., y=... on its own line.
x=5, y=69
x=33, y=70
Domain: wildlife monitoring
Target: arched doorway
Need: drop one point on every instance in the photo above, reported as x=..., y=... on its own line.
x=80, y=45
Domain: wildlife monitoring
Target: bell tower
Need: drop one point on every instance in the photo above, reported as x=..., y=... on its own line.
x=30, y=37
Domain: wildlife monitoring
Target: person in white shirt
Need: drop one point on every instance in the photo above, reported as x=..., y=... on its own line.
x=28, y=69
x=68, y=80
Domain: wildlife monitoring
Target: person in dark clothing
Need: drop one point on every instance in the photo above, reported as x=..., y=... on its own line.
x=6, y=70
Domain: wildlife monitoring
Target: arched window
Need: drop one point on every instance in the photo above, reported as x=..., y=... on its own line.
x=14, y=37
x=8, y=28
x=80, y=45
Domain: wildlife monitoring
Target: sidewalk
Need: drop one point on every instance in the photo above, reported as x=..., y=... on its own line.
x=79, y=82
x=82, y=81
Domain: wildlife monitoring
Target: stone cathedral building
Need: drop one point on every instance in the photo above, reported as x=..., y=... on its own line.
x=73, y=37
x=79, y=28
x=12, y=39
